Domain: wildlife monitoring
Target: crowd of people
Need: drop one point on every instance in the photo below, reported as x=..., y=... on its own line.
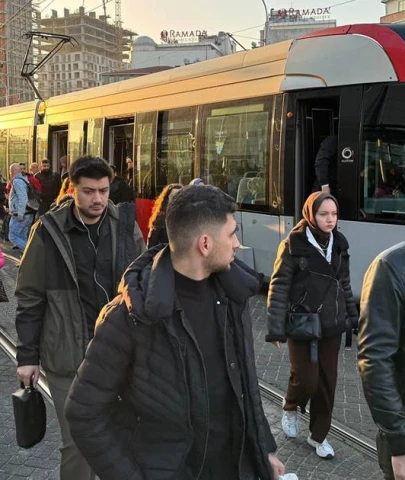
x=148, y=350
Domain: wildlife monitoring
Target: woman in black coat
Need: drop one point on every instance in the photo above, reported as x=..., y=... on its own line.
x=157, y=226
x=312, y=271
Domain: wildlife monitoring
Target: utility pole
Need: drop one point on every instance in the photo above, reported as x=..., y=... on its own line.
x=266, y=26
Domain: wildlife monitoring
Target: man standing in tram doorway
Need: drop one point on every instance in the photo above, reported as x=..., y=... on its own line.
x=381, y=356
x=326, y=166
x=71, y=268
x=168, y=388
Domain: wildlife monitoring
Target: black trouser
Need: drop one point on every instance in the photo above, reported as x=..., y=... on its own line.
x=384, y=456
x=315, y=382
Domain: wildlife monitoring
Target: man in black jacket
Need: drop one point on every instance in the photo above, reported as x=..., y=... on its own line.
x=50, y=183
x=326, y=166
x=168, y=387
x=71, y=268
x=382, y=355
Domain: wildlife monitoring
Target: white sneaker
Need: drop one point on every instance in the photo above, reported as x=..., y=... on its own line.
x=288, y=476
x=323, y=450
x=289, y=423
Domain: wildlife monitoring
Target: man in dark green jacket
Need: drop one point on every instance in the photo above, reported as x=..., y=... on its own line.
x=71, y=268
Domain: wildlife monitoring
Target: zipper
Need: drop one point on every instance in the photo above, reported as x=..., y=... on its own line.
x=206, y=391
x=227, y=368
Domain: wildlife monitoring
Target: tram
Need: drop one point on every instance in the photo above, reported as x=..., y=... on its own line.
x=250, y=123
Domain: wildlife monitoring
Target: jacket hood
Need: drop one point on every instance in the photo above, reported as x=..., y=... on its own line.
x=148, y=287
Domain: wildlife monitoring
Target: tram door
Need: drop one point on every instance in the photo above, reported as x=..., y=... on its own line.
x=58, y=147
x=121, y=147
x=334, y=113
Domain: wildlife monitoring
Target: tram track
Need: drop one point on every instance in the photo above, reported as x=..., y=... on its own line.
x=338, y=430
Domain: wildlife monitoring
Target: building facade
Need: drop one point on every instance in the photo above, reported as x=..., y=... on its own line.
x=394, y=11
x=17, y=17
x=177, y=49
x=98, y=47
x=285, y=26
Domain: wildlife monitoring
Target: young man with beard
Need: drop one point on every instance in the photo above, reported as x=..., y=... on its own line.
x=168, y=387
x=50, y=183
x=71, y=268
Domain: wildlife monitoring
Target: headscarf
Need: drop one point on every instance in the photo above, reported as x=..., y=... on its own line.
x=309, y=210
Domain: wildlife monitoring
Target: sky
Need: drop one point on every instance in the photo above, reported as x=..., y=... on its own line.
x=152, y=16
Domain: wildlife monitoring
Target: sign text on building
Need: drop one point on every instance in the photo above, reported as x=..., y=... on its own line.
x=304, y=12
x=175, y=36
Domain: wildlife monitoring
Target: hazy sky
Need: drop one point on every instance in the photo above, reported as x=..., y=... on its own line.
x=152, y=16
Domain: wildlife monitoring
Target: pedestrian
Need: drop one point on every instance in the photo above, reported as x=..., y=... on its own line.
x=157, y=225
x=34, y=168
x=21, y=217
x=65, y=194
x=381, y=346
x=311, y=273
x=120, y=191
x=168, y=388
x=50, y=183
x=70, y=270
x=129, y=174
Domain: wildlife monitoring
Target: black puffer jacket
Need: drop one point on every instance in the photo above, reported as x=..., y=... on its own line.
x=142, y=352
x=302, y=275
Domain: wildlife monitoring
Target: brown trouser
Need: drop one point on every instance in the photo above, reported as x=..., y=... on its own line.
x=315, y=382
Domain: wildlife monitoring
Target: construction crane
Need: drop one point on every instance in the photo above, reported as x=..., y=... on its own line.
x=118, y=25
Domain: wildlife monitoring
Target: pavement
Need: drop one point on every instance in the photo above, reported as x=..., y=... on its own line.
x=41, y=461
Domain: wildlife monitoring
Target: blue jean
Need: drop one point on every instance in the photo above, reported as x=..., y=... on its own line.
x=19, y=231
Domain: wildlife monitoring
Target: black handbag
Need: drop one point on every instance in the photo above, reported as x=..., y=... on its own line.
x=30, y=416
x=302, y=324
x=3, y=294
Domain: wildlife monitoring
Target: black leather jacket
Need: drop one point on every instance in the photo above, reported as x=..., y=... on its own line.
x=382, y=344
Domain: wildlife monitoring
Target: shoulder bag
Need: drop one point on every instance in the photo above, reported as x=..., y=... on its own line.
x=302, y=324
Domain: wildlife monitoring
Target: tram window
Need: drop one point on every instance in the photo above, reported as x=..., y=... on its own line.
x=382, y=178
x=235, y=150
x=175, y=147
x=18, y=146
x=144, y=151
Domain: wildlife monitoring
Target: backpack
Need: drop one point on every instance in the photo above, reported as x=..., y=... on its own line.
x=34, y=198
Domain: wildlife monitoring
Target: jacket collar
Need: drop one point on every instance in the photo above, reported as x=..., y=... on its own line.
x=148, y=286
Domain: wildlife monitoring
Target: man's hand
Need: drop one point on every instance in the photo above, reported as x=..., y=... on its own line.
x=20, y=219
x=398, y=466
x=276, y=466
x=28, y=372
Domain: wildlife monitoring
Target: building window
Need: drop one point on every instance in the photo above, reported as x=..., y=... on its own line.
x=77, y=75
x=401, y=5
x=75, y=66
x=77, y=57
x=79, y=84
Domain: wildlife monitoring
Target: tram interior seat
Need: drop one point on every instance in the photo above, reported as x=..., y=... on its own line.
x=244, y=190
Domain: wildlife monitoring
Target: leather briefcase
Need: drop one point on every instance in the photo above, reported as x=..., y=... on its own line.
x=30, y=416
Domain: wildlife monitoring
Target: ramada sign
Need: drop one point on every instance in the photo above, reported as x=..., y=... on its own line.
x=304, y=12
